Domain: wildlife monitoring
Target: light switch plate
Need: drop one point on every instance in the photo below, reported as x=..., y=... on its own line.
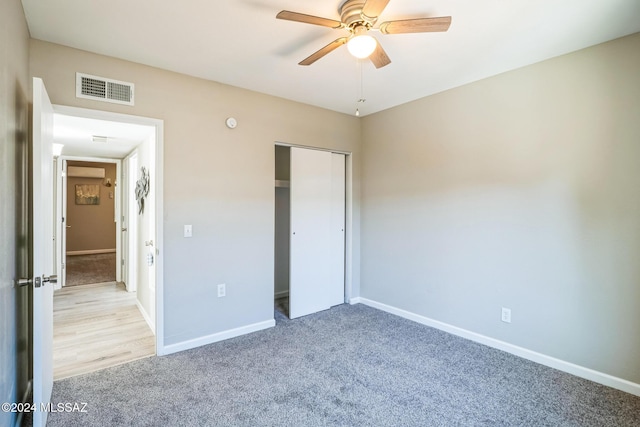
x=188, y=231
x=506, y=315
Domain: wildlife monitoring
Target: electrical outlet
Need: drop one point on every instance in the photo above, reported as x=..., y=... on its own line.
x=222, y=290
x=506, y=315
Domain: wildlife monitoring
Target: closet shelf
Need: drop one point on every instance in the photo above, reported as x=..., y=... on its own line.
x=281, y=183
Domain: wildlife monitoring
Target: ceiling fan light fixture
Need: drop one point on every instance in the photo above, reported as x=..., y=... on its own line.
x=361, y=45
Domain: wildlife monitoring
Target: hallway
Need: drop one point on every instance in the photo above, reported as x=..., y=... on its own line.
x=97, y=326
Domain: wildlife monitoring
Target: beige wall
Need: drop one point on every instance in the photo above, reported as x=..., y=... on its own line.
x=92, y=226
x=518, y=191
x=15, y=92
x=216, y=179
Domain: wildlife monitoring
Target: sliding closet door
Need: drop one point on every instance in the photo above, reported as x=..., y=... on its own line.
x=310, y=247
x=335, y=289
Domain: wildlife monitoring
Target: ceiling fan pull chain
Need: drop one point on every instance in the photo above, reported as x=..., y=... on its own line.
x=361, y=98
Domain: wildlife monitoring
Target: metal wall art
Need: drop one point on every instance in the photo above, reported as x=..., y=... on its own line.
x=142, y=189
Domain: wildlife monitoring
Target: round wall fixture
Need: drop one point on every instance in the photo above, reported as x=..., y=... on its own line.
x=231, y=123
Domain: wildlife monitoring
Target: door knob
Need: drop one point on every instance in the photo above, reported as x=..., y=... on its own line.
x=68, y=226
x=51, y=279
x=38, y=281
x=25, y=282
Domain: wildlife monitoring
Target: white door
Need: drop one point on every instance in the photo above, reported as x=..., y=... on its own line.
x=62, y=279
x=312, y=255
x=58, y=225
x=130, y=208
x=336, y=288
x=124, y=224
x=42, y=256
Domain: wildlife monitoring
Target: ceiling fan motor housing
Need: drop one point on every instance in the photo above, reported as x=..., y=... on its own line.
x=352, y=17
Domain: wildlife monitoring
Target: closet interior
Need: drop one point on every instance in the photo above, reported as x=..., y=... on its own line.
x=282, y=224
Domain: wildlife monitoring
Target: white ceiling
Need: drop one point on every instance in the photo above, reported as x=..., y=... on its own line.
x=76, y=134
x=240, y=42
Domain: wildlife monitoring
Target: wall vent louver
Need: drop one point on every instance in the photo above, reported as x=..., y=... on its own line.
x=103, y=89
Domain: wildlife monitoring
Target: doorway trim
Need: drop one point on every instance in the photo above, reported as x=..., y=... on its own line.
x=61, y=198
x=348, y=220
x=158, y=186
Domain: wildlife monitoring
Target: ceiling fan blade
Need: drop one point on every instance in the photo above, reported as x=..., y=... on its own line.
x=420, y=25
x=373, y=8
x=379, y=57
x=322, y=52
x=308, y=19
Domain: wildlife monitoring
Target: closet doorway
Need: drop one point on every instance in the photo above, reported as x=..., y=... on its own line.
x=309, y=229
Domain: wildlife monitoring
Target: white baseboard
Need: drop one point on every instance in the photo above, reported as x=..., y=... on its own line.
x=281, y=294
x=220, y=336
x=552, y=362
x=91, y=252
x=146, y=317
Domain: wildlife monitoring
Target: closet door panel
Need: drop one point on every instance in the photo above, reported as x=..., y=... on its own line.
x=310, y=244
x=336, y=263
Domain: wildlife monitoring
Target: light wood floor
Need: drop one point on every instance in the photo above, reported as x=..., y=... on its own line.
x=95, y=327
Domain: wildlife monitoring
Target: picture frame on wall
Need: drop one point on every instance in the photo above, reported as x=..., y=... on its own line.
x=87, y=194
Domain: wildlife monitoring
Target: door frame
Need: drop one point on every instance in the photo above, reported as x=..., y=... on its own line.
x=348, y=221
x=158, y=186
x=128, y=214
x=59, y=235
x=61, y=199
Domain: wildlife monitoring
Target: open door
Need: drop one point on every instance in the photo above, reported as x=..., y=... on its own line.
x=130, y=224
x=124, y=225
x=42, y=250
x=60, y=231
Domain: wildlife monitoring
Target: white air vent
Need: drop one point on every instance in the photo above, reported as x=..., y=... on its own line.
x=85, y=172
x=103, y=89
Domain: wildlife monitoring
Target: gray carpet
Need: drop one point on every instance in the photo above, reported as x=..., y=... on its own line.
x=349, y=366
x=281, y=307
x=87, y=269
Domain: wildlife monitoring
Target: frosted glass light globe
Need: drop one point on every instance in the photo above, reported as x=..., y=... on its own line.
x=361, y=46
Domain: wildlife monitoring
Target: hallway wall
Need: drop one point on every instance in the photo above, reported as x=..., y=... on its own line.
x=93, y=227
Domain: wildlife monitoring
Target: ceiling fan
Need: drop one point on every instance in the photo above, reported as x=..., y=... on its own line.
x=359, y=17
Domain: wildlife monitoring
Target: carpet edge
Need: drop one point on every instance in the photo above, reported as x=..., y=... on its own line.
x=218, y=336
x=543, y=359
